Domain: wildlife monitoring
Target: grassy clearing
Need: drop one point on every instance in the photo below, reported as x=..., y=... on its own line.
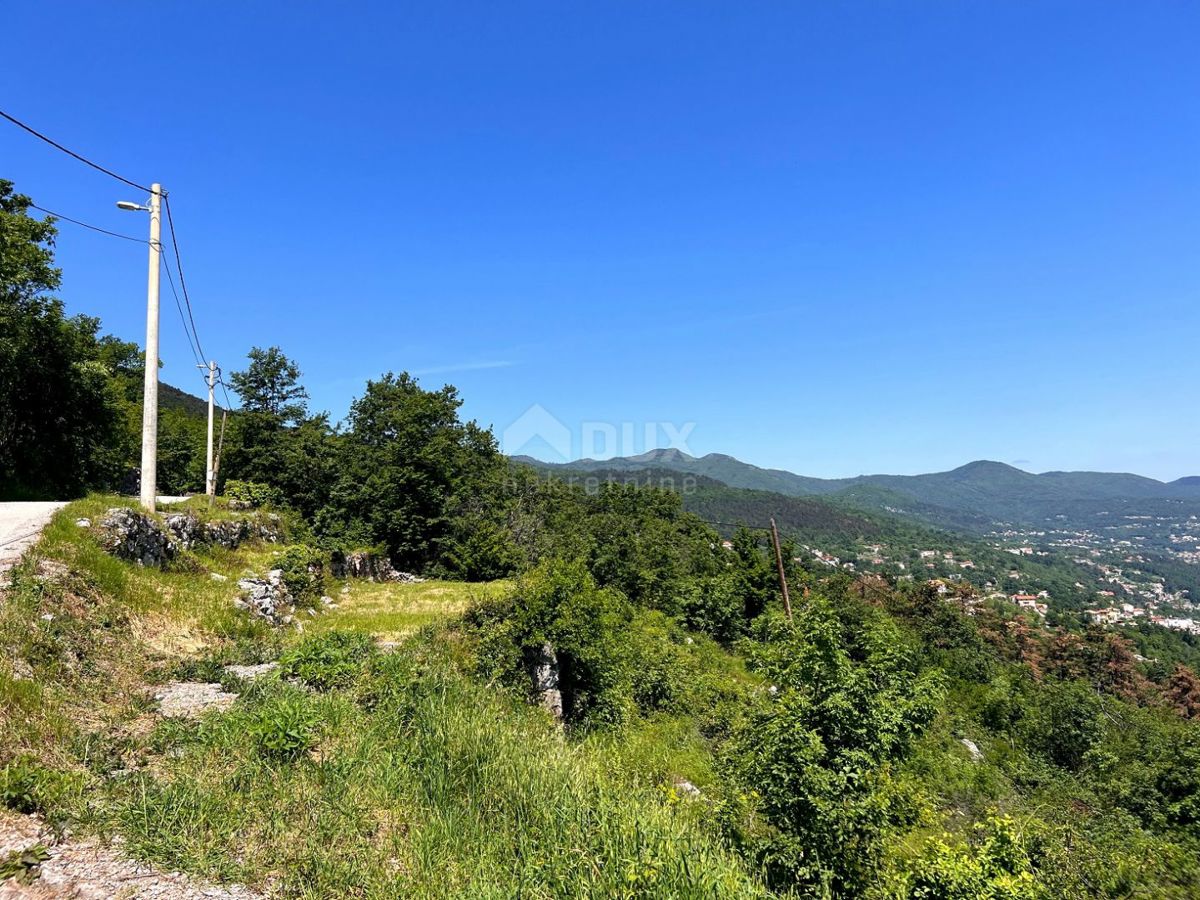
x=393, y=611
x=391, y=775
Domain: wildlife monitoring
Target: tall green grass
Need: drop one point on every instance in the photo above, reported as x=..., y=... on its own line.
x=419, y=783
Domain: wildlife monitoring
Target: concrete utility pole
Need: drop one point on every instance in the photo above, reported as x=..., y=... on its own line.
x=210, y=482
x=150, y=401
x=150, y=393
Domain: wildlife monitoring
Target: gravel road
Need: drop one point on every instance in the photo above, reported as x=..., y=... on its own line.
x=20, y=525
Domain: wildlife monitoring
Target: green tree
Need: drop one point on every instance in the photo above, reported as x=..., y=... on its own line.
x=404, y=463
x=270, y=385
x=60, y=416
x=271, y=440
x=181, y=448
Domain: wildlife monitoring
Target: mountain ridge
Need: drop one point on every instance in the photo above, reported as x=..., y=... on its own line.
x=975, y=496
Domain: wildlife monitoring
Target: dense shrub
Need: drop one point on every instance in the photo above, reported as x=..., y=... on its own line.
x=664, y=671
x=1065, y=722
x=715, y=605
x=303, y=570
x=560, y=604
x=996, y=866
x=253, y=492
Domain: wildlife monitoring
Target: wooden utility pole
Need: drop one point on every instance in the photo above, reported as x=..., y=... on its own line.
x=787, y=600
x=216, y=466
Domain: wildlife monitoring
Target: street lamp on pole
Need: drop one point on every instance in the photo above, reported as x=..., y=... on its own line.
x=150, y=394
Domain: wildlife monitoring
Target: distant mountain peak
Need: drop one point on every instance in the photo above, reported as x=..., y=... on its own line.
x=986, y=467
x=662, y=454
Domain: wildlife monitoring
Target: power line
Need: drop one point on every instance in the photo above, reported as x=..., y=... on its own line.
x=193, y=343
x=82, y=159
x=179, y=306
x=182, y=284
x=48, y=212
x=221, y=382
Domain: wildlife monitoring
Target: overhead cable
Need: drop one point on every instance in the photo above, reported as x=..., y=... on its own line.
x=82, y=159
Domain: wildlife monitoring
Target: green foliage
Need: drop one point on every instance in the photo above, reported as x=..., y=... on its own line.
x=61, y=421
x=641, y=542
x=303, y=570
x=23, y=866
x=405, y=460
x=950, y=638
x=253, y=492
x=270, y=386
x=27, y=786
x=664, y=670
x=816, y=754
x=327, y=661
x=181, y=452
x=560, y=605
x=715, y=605
x=1065, y=723
x=284, y=727
x=995, y=867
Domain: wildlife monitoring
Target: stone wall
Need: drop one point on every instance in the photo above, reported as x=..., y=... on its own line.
x=141, y=538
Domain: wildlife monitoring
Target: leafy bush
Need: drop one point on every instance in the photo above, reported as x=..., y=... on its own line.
x=715, y=605
x=285, y=728
x=1065, y=722
x=26, y=786
x=815, y=755
x=327, y=661
x=664, y=672
x=253, y=492
x=996, y=867
x=303, y=572
x=560, y=604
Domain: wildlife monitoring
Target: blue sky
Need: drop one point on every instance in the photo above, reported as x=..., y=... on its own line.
x=832, y=238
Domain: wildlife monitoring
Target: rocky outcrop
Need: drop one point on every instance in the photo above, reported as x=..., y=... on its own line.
x=268, y=598
x=135, y=536
x=543, y=670
x=368, y=565
x=141, y=538
x=189, y=532
x=185, y=529
x=685, y=789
